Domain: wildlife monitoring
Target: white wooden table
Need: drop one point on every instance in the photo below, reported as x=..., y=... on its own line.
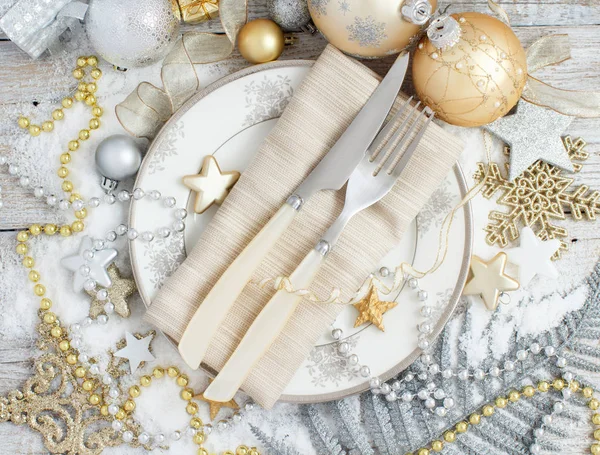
x=25, y=81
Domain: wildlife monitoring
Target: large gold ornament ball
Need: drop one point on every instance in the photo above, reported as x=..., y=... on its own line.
x=261, y=41
x=364, y=28
x=477, y=80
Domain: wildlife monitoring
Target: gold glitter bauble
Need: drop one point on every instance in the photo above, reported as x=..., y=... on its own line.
x=364, y=28
x=476, y=81
x=261, y=41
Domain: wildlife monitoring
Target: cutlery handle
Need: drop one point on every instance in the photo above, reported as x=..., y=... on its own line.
x=212, y=311
x=263, y=332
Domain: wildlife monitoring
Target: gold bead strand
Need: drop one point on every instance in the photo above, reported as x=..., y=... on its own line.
x=58, y=114
x=558, y=384
x=85, y=93
x=187, y=394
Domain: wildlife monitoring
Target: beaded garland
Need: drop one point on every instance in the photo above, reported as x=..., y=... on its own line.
x=92, y=388
x=488, y=410
x=99, y=389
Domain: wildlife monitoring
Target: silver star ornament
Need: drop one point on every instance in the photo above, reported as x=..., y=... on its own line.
x=97, y=261
x=533, y=133
x=533, y=256
x=136, y=351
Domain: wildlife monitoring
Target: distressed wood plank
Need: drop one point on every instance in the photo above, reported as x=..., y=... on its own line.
x=521, y=13
x=24, y=80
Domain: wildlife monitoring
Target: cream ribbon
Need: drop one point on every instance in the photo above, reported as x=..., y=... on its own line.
x=546, y=51
x=552, y=50
x=148, y=107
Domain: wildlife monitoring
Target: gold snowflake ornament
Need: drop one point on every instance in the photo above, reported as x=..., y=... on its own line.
x=538, y=198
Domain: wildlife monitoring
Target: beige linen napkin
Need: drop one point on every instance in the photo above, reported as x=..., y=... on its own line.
x=321, y=109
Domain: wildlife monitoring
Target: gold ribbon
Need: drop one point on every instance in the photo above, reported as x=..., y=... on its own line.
x=546, y=51
x=148, y=107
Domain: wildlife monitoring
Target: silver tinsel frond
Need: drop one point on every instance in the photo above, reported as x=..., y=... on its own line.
x=375, y=426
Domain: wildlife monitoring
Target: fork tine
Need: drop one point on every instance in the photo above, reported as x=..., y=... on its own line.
x=400, y=161
x=399, y=137
x=374, y=148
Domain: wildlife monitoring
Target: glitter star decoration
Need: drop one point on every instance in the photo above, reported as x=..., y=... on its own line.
x=215, y=406
x=211, y=184
x=371, y=309
x=137, y=350
x=97, y=263
x=533, y=133
x=489, y=280
x=538, y=198
x=118, y=292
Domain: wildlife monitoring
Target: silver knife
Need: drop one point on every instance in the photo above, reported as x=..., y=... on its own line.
x=331, y=173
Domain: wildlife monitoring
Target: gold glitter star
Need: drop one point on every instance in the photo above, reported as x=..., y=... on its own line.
x=371, y=309
x=119, y=291
x=489, y=280
x=216, y=406
x=211, y=184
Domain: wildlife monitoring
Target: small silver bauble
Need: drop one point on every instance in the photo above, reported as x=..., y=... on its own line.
x=290, y=15
x=132, y=33
x=117, y=157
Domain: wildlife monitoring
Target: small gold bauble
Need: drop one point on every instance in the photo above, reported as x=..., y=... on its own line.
x=134, y=391
x=449, y=436
x=172, y=372
x=365, y=28
x=35, y=229
x=261, y=41
x=461, y=427
x=80, y=372
x=478, y=79
x=158, y=372
x=437, y=446
x=588, y=392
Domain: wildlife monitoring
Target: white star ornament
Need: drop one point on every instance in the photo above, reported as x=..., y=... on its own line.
x=136, y=351
x=533, y=256
x=98, y=265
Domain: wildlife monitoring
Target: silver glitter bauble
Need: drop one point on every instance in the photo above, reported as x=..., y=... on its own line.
x=129, y=33
x=117, y=158
x=290, y=15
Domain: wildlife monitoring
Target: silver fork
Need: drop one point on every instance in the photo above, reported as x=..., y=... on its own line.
x=373, y=178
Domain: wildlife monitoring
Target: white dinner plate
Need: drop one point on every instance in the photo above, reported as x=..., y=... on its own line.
x=230, y=119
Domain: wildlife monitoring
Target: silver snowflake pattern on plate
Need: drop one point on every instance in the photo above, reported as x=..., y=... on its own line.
x=166, y=148
x=366, y=31
x=267, y=99
x=327, y=366
x=344, y=6
x=319, y=7
x=438, y=206
x=164, y=256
